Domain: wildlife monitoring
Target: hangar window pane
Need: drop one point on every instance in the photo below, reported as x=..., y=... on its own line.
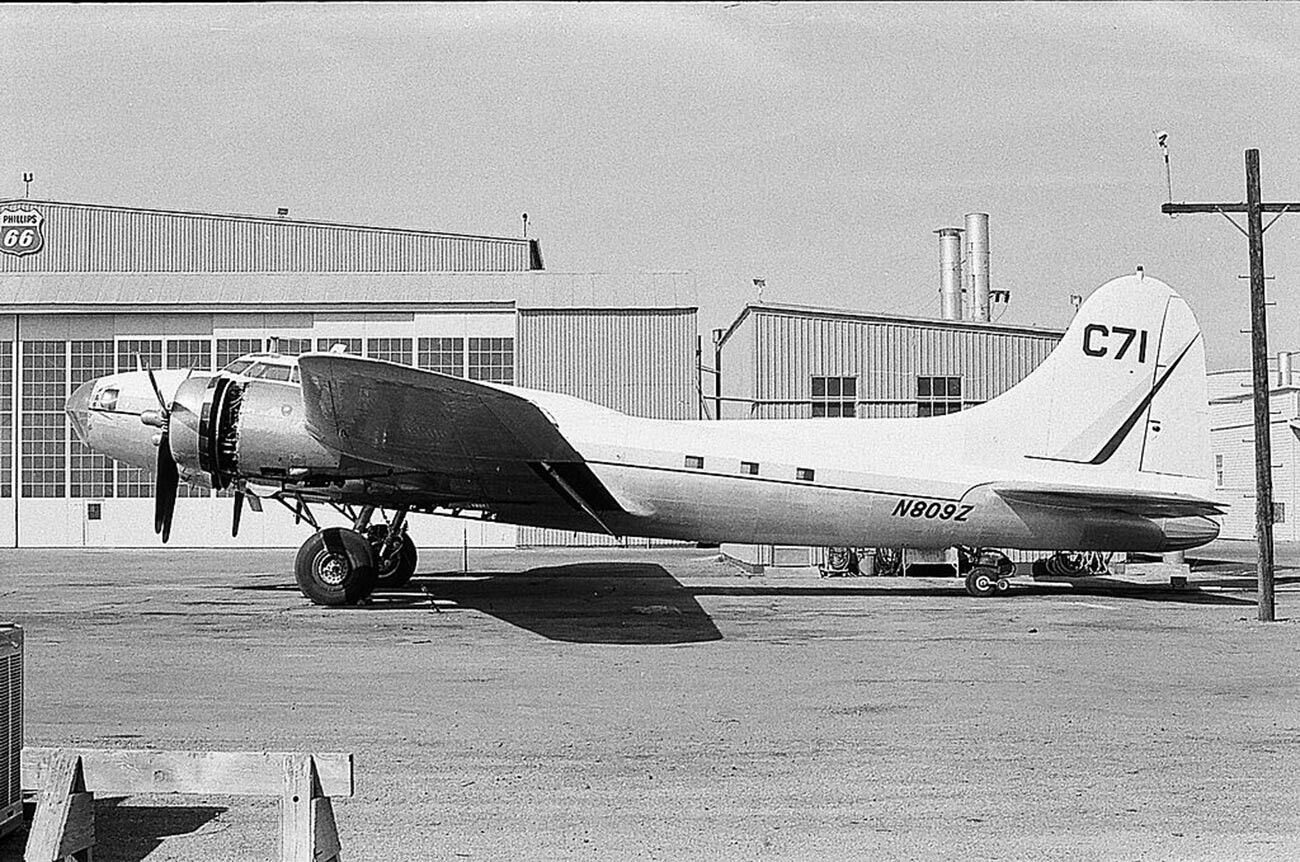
x=186, y=353
x=6, y=418
x=44, y=427
x=444, y=355
x=1218, y=471
x=834, y=397
x=390, y=350
x=938, y=396
x=134, y=482
x=230, y=349
x=135, y=353
x=350, y=345
x=492, y=359
x=89, y=474
x=291, y=346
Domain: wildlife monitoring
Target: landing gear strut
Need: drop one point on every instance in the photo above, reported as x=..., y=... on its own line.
x=395, y=553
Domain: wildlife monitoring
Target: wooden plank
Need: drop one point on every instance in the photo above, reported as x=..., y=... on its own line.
x=220, y=773
x=295, y=811
x=64, y=824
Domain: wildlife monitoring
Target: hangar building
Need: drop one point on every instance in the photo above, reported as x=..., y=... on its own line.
x=87, y=290
x=1232, y=446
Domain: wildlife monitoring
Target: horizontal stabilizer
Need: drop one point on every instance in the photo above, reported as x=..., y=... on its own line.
x=1144, y=504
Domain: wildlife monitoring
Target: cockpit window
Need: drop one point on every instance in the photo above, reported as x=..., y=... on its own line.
x=295, y=377
x=105, y=399
x=275, y=372
x=238, y=366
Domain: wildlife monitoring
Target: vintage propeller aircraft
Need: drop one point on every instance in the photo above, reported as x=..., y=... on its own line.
x=1105, y=446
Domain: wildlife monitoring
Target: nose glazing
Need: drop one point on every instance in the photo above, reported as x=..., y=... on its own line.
x=78, y=410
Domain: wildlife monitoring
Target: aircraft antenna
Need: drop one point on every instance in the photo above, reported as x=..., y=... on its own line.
x=1254, y=210
x=28, y=176
x=1162, y=141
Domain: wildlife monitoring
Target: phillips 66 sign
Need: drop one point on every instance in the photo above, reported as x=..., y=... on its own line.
x=20, y=231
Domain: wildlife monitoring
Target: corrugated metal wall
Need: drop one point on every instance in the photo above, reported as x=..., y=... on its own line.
x=81, y=238
x=791, y=348
x=638, y=361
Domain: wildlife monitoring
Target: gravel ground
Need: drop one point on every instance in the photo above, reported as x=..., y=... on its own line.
x=658, y=705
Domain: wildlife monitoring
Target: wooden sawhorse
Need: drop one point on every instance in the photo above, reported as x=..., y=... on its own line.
x=68, y=778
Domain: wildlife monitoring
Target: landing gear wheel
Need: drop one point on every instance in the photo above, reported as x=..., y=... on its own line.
x=982, y=582
x=1003, y=585
x=396, y=569
x=336, y=566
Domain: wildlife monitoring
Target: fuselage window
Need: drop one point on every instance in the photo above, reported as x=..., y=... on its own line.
x=694, y=462
x=804, y=474
x=749, y=468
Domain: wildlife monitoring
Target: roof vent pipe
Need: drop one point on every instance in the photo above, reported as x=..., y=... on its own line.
x=1284, y=369
x=977, y=264
x=950, y=273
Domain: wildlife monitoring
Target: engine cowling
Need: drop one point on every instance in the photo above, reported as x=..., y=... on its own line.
x=223, y=429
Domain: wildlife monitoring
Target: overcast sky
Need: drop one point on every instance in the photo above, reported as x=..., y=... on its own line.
x=816, y=146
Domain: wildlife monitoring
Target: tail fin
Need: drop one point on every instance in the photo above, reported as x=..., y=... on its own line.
x=1124, y=390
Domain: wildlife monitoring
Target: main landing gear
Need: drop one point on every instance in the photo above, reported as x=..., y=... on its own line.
x=341, y=566
x=989, y=572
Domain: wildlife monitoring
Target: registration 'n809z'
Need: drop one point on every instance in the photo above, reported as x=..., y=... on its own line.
x=931, y=510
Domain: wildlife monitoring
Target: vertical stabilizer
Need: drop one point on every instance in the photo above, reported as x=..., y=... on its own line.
x=1124, y=391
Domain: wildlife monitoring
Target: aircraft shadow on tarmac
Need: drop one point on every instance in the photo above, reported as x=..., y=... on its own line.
x=130, y=833
x=613, y=603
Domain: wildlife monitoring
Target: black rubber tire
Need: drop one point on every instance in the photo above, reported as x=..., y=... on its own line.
x=400, y=568
x=336, y=566
x=981, y=582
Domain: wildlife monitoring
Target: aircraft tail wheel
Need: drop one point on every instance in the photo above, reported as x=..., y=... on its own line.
x=982, y=582
x=1003, y=585
x=336, y=566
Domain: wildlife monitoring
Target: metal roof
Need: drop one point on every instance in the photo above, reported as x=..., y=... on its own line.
x=876, y=317
x=80, y=237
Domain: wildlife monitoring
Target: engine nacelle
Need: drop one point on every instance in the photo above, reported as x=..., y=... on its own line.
x=223, y=429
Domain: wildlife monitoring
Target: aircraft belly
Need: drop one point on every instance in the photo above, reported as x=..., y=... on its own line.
x=726, y=508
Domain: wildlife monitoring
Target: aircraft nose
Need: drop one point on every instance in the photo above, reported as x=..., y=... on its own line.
x=78, y=410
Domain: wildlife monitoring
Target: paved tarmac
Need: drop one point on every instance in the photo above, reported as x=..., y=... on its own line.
x=605, y=704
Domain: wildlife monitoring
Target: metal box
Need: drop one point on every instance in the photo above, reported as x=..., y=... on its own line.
x=11, y=727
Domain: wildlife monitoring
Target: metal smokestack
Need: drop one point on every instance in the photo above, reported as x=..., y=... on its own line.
x=950, y=272
x=977, y=264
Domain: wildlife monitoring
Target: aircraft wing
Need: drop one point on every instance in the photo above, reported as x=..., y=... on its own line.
x=1141, y=503
x=480, y=442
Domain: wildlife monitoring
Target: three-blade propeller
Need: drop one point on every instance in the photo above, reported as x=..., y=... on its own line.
x=167, y=477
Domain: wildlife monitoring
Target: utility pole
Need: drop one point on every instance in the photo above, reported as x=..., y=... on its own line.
x=1254, y=209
